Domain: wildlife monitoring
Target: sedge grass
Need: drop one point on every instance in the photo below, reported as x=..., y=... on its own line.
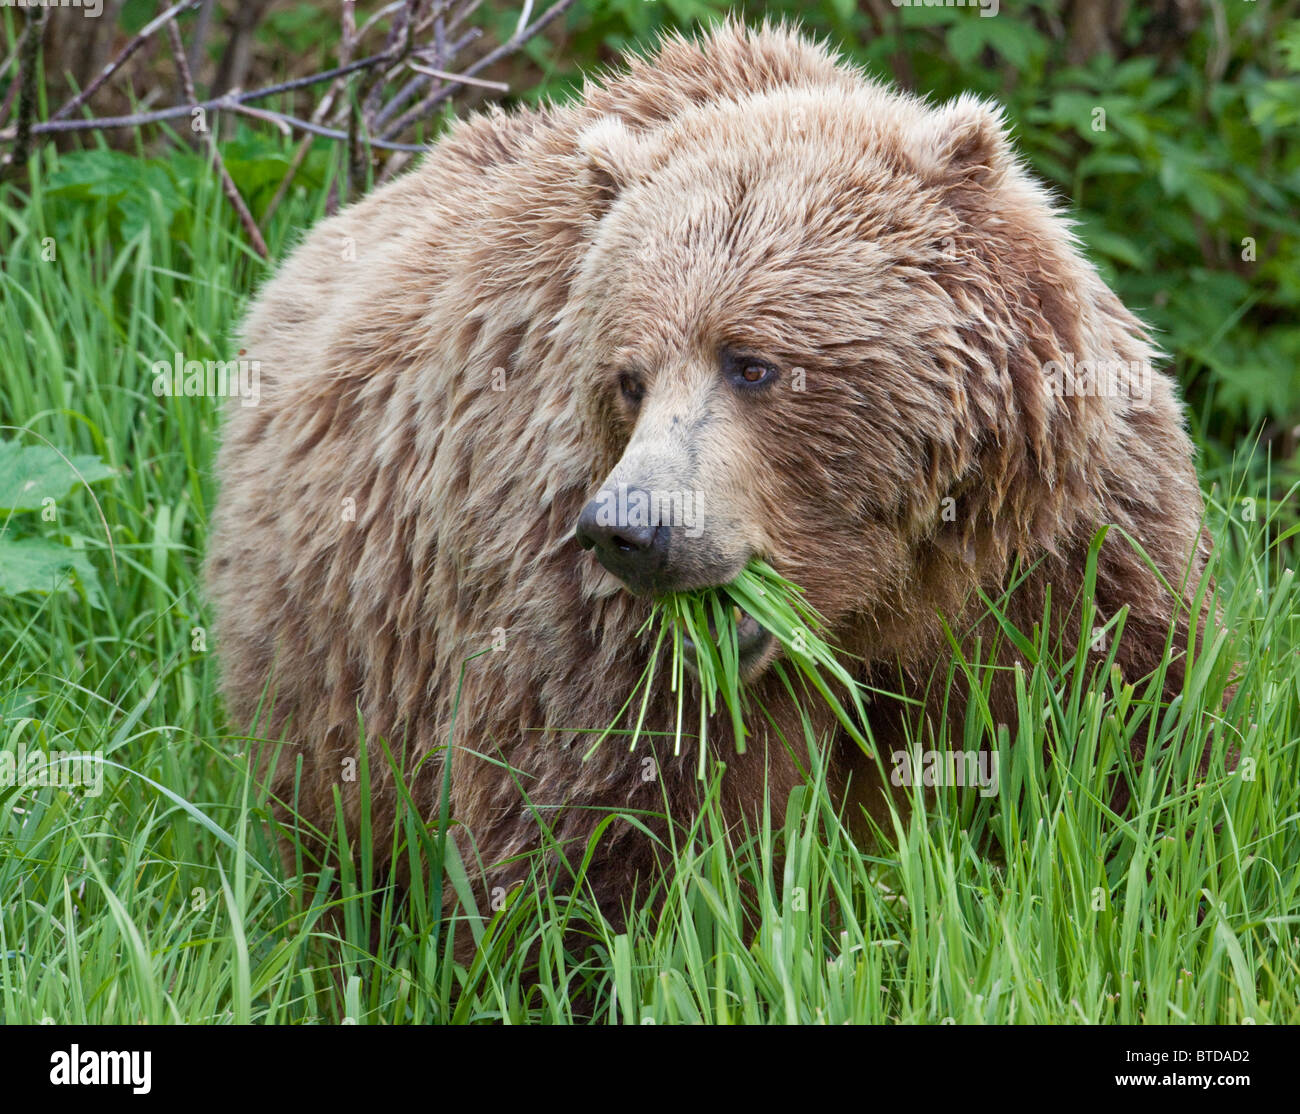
x=163, y=900
x=708, y=620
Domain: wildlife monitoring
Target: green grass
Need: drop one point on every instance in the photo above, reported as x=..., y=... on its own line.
x=164, y=898
x=706, y=619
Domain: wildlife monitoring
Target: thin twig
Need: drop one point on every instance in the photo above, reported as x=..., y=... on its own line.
x=225, y=101
x=319, y=113
x=396, y=47
x=201, y=28
x=215, y=104
x=282, y=190
x=399, y=100
x=387, y=10
x=393, y=166
x=348, y=45
x=335, y=133
x=219, y=164
x=316, y=78
x=523, y=18
x=465, y=12
x=141, y=37
x=512, y=44
x=286, y=128
x=346, y=50
x=462, y=79
x=230, y=100
x=371, y=128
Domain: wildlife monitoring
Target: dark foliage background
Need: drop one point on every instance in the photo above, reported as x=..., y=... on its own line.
x=1170, y=126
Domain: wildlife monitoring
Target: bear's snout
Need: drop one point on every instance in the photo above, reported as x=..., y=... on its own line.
x=628, y=542
x=653, y=538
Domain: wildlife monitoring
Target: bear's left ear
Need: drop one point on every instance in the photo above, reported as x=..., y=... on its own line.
x=616, y=156
x=963, y=142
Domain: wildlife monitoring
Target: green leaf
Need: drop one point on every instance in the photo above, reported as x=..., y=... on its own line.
x=30, y=474
x=965, y=41
x=1101, y=164
x=1018, y=43
x=41, y=565
x=94, y=174
x=1117, y=247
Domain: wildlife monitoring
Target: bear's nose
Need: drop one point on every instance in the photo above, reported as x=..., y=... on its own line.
x=633, y=550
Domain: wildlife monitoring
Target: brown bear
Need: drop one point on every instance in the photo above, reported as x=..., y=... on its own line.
x=842, y=327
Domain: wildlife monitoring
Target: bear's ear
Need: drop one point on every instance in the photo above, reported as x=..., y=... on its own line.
x=963, y=142
x=616, y=156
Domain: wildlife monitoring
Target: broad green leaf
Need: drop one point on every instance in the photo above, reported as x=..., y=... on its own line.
x=30, y=474
x=42, y=565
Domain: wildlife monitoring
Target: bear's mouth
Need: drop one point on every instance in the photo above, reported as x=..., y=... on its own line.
x=753, y=641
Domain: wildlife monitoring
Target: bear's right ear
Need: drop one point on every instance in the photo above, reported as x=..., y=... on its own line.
x=962, y=142
x=616, y=156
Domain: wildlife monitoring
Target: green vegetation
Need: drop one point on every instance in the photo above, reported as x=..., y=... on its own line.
x=699, y=631
x=163, y=899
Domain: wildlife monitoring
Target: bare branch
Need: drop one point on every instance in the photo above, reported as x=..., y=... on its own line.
x=347, y=48
x=417, y=42
x=465, y=12
x=322, y=109
x=523, y=18
x=386, y=10
x=286, y=128
x=403, y=96
x=462, y=79
x=214, y=104
x=201, y=29
x=511, y=45
x=219, y=164
x=141, y=37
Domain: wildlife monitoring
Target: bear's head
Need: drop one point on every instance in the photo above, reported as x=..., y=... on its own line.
x=815, y=323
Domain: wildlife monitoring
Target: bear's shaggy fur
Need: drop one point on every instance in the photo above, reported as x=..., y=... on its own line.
x=445, y=371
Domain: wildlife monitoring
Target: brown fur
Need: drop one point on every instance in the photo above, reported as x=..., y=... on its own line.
x=748, y=190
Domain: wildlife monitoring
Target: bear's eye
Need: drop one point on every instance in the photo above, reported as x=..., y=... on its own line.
x=632, y=387
x=747, y=371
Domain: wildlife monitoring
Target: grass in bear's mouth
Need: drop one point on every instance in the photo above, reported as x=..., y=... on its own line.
x=705, y=624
